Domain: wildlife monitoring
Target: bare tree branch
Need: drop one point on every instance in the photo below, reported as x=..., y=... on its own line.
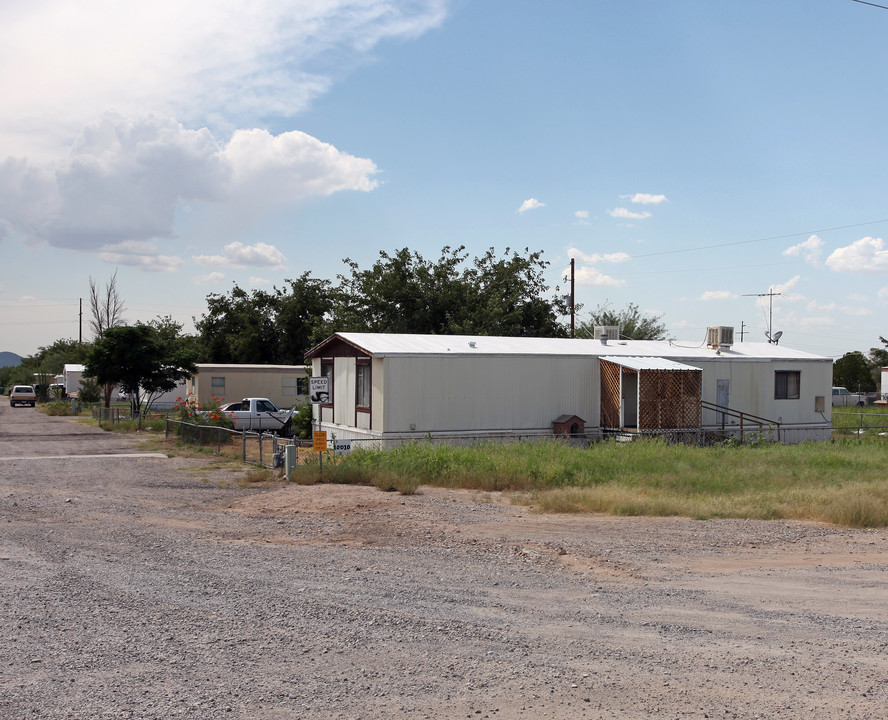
x=107, y=308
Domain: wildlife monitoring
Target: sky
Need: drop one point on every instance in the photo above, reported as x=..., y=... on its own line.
x=692, y=156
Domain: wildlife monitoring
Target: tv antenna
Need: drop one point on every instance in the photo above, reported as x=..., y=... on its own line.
x=770, y=295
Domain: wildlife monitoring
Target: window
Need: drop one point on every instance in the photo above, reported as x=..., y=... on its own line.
x=218, y=384
x=290, y=385
x=302, y=386
x=327, y=372
x=787, y=384
x=362, y=385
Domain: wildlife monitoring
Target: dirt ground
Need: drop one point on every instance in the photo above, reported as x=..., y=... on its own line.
x=134, y=585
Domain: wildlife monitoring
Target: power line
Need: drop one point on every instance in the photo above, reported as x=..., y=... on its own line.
x=748, y=242
x=863, y=2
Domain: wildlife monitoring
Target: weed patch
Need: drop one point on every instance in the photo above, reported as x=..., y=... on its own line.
x=841, y=482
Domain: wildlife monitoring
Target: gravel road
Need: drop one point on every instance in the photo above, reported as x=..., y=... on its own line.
x=134, y=585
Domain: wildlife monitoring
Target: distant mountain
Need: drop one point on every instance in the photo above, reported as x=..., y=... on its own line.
x=9, y=359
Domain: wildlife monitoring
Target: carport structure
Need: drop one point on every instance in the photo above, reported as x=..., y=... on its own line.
x=649, y=394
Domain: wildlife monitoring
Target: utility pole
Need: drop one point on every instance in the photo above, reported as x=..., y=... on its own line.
x=80, y=340
x=770, y=295
x=742, y=330
x=572, y=298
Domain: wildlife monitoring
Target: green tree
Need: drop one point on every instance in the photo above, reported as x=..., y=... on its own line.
x=634, y=325
x=139, y=357
x=47, y=362
x=261, y=327
x=405, y=293
x=878, y=358
x=854, y=372
x=401, y=293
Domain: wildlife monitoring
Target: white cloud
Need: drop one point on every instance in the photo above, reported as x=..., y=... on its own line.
x=626, y=214
x=582, y=214
x=596, y=258
x=147, y=259
x=867, y=255
x=856, y=310
x=530, y=204
x=718, y=295
x=208, y=279
x=255, y=281
x=882, y=295
x=785, y=290
x=227, y=63
x=125, y=179
x=645, y=198
x=809, y=250
x=237, y=254
x=587, y=275
x=292, y=165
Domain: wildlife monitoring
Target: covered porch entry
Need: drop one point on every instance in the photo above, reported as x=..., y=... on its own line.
x=648, y=394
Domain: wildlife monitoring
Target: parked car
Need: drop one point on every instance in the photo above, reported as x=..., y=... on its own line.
x=842, y=398
x=22, y=395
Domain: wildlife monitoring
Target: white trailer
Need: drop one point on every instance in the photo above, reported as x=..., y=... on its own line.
x=73, y=374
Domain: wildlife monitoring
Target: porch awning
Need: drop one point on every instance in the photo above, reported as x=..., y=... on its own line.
x=648, y=363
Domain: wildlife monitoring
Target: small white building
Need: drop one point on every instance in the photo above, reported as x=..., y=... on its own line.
x=284, y=385
x=399, y=385
x=73, y=375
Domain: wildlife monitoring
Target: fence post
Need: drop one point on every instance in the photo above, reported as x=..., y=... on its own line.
x=244, y=445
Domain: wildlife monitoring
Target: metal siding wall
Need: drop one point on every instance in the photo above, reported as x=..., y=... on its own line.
x=752, y=388
x=377, y=400
x=488, y=393
x=252, y=382
x=344, y=390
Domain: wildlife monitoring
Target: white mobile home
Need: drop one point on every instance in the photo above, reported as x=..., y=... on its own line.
x=395, y=385
x=284, y=385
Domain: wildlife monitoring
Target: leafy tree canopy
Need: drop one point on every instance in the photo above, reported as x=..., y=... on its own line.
x=854, y=371
x=401, y=292
x=47, y=362
x=264, y=327
x=634, y=325
x=140, y=356
x=405, y=293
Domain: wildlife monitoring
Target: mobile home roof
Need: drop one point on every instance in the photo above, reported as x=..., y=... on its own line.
x=406, y=345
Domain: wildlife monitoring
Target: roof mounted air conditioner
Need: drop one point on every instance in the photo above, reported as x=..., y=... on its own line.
x=719, y=337
x=612, y=332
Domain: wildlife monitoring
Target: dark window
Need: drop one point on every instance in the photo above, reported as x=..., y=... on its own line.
x=302, y=386
x=363, y=384
x=787, y=384
x=327, y=372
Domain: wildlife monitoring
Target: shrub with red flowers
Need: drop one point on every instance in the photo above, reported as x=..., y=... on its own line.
x=190, y=410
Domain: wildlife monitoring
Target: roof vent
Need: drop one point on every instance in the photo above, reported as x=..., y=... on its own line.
x=471, y=343
x=719, y=337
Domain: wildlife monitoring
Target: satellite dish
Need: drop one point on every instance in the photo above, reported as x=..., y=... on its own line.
x=777, y=336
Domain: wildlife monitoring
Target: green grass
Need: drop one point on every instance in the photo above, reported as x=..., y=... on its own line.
x=866, y=421
x=842, y=482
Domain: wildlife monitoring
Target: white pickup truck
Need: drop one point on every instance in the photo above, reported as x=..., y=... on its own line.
x=260, y=415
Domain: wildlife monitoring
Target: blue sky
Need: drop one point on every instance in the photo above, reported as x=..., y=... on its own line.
x=687, y=154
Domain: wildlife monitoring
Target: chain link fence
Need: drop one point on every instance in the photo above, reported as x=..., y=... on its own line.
x=860, y=424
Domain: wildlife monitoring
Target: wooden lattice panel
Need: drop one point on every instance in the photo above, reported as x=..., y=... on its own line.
x=669, y=399
x=610, y=394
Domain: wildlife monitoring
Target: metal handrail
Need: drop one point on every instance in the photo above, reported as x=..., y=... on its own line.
x=726, y=411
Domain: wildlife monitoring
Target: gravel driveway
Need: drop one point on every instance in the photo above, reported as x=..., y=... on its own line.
x=133, y=585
